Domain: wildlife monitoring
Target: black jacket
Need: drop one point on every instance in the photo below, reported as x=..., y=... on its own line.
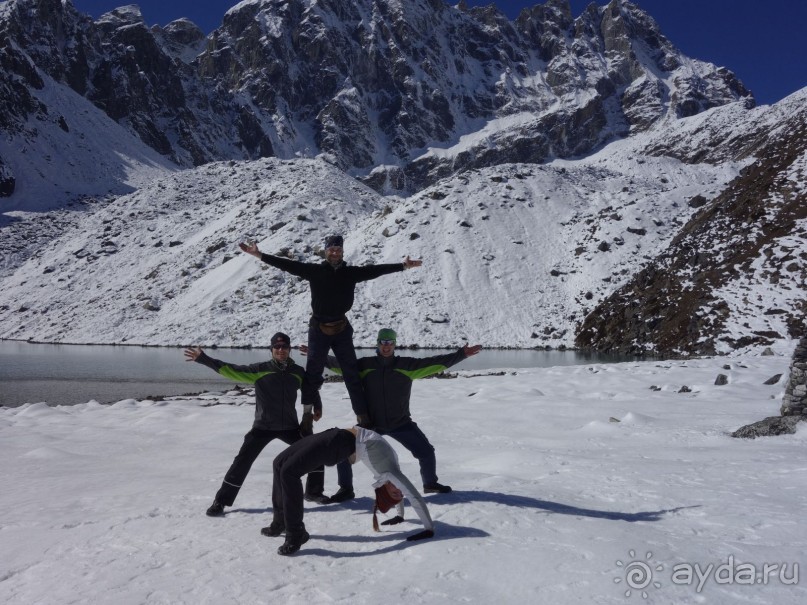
x=387, y=383
x=332, y=288
x=275, y=389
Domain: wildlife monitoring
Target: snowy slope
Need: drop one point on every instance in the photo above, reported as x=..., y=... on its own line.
x=85, y=154
x=513, y=255
x=552, y=503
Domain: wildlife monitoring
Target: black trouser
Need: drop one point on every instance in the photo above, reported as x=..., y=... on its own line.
x=254, y=442
x=325, y=448
x=319, y=344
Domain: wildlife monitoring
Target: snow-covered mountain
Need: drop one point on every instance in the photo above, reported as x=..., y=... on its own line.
x=562, y=207
x=384, y=89
x=514, y=255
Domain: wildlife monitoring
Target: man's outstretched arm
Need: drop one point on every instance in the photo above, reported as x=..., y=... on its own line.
x=294, y=267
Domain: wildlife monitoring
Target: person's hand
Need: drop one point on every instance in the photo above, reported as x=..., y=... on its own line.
x=303, y=349
x=363, y=420
x=307, y=424
x=410, y=263
x=250, y=248
x=192, y=353
x=426, y=533
x=316, y=405
x=471, y=350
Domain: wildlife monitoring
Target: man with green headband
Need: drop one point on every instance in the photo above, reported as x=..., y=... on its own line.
x=387, y=383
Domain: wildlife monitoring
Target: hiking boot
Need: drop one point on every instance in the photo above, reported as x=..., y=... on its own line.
x=436, y=488
x=342, y=495
x=318, y=498
x=274, y=529
x=293, y=544
x=216, y=509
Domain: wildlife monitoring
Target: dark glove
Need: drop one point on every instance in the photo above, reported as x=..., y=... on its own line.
x=426, y=533
x=307, y=424
x=394, y=521
x=363, y=420
x=317, y=403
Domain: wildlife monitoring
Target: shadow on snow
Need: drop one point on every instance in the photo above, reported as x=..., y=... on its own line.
x=551, y=507
x=365, y=505
x=442, y=532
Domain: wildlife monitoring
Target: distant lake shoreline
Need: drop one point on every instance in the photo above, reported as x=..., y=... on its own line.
x=411, y=347
x=68, y=374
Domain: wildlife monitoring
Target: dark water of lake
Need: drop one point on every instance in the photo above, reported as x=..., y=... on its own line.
x=70, y=374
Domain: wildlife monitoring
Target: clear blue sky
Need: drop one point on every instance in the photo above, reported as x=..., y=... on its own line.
x=763, y=41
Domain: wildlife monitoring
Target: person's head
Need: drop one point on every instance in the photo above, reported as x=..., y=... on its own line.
x=334, y=249
x=386, y=497
x=386, y=342
x=281, y=344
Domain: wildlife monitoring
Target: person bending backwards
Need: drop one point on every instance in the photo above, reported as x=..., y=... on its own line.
x=276, y=384
x=328, y=448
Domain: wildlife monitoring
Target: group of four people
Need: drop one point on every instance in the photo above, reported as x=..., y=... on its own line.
x=379, y=387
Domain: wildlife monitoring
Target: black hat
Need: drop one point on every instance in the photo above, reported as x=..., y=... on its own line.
x=334, y=240
x=280, y=338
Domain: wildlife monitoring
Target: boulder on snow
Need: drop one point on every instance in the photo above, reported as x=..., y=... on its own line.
x=770, y=427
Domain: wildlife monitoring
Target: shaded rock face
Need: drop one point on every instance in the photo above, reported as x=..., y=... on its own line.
x=749, y=239
x=138, y=76
x=7, y=180
x=368, y=83
x=18, y=79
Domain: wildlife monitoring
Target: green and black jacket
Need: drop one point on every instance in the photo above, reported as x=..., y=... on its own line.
x=276, y=389
x=387, y=383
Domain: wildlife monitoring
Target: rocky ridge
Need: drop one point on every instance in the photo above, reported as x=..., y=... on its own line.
x=735, y=274
x=373, y=86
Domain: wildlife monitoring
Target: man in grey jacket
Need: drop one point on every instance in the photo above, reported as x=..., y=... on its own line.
x=327, y=448
x=276, y=384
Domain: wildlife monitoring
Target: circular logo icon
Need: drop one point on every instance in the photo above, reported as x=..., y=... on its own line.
x=638, y=575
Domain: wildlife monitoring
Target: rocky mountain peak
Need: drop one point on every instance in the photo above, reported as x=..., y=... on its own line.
x=383, y=89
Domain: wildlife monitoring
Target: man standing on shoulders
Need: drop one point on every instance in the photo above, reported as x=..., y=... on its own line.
x=276, y=384
x=333, y=284
x=387, y=382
